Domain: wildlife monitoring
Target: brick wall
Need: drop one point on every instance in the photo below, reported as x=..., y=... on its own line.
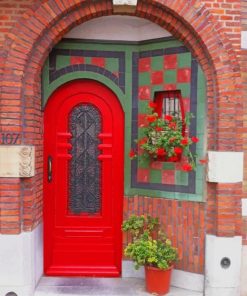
x=243, y=61
x=10, y=13
x=228, y=14
x=183, y=221
x=244, y=230
x=212, y=34
x=21, y=205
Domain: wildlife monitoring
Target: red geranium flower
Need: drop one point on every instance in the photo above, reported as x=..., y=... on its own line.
x=143, y=141
x=151, y=118
x=158, y=129
x=178, y=150
x=132, y=153
x=160, y=151
x=168, y=117
x=187, y=167
x=152, y=105
x=172, y=125
x=173, y=158
x=194, y=139
x=184, y=141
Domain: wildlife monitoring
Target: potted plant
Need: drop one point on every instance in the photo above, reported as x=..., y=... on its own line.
x=166, y=139
x=149, y=247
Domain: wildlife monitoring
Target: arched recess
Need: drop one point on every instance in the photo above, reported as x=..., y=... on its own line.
x=93, y=76
x=42, y=26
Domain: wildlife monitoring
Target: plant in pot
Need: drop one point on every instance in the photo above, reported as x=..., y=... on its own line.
x=150, y=247
x=166, y=139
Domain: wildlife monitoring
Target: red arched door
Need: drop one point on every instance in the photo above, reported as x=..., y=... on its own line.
x=83, y=181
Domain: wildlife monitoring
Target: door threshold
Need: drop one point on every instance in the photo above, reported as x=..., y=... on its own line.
x=56, y=286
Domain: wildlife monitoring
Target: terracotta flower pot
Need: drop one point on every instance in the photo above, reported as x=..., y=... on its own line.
x=157, y=280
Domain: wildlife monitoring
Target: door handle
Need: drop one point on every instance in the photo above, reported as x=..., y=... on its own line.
x=49, y=169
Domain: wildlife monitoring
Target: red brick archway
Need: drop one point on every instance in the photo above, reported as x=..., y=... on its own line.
x=42, y=26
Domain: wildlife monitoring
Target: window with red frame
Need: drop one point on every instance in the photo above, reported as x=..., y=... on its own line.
x=169, y=102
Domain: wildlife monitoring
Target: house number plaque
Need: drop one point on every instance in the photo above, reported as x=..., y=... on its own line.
x=9, y=138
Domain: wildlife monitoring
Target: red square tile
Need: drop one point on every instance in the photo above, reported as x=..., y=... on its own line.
x=156, y=165
x=170, y=87
x=183, y=75
x=143, y=175
x=76, y=60
x=157, y=77
x=186, y=102
x=144, y=92
x=100, y=62
x=184, y=159
x=142, y=120
x=170, y=61
x=144, y=64
x=178, y=165
x=168, y=177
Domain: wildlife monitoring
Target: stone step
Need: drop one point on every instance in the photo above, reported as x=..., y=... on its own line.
x=57, y=286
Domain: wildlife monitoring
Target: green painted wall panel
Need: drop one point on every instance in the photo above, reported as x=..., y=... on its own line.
x=154, y=77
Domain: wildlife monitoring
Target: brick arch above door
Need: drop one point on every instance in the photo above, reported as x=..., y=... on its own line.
x=42, y=26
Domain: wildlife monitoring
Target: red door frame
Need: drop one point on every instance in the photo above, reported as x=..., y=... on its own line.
x=56, y=144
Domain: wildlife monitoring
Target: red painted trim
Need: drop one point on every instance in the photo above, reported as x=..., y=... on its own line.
x=159, y=98
x=82, y=244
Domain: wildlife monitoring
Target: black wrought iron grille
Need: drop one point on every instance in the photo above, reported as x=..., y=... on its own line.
x=85, y=168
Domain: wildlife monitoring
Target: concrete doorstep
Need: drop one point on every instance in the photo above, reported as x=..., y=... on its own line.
x=56, y=286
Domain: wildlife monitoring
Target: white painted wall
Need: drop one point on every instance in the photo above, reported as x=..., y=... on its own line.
x=244, y=256
x=21, y=262
x=220, y=281
x=244, y=272
x=125, y=2
x=121, y=28
x=244, y=206
x=244, y=39
x=225, y=167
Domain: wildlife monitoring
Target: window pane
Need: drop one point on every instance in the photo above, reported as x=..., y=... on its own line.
x=85, y=169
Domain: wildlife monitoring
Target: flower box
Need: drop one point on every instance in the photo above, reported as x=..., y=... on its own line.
x=166, y=139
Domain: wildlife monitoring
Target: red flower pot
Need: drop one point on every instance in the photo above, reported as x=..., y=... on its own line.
x=158, y=280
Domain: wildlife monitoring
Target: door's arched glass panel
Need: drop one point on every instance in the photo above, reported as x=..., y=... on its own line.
x=85, y=168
